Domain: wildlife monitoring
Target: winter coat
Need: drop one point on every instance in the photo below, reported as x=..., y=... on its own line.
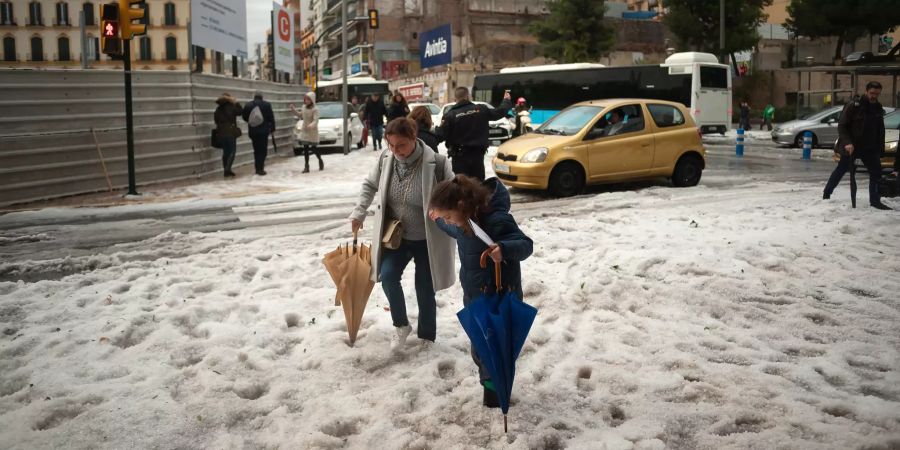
x=441, y=254
x=375, y=112
x=397, y=110
x=500, y=225
x=309, y=131
x=852, y=125
x=467, y=124
x=226, y=117
x=268, y=125
x=430, y=138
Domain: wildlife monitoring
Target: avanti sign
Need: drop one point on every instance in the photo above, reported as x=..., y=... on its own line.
x=435, y=48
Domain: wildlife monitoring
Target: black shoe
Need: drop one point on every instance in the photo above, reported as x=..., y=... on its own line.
x=882, y=206
x=260, y=172
x=230, y=174
x=826, y=196
x=321, y=165
x=306, y=169
x=490, y=399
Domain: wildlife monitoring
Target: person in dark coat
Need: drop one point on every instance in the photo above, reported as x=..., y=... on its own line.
x=745, y=115
x=861, y=135
x=375, y=112
x=259, y=130
x=227, y=130
x=398, y=108
x=466, y=127
x=422, y=116
x=453, y=203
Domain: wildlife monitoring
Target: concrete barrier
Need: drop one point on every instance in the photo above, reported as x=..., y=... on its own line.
x=48, y=151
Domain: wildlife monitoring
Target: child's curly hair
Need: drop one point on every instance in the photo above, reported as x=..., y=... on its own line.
x=464, y=194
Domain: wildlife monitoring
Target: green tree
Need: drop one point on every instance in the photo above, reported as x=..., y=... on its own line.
x=847, y=20
x=575, y=31
x=696, y=23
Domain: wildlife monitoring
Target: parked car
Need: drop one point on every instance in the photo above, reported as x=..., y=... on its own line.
x=435, y=111
x=330, y=126
x=500, y=130
x=891, y=138
x=823, y=125
x=892, y=56
x=585, y=144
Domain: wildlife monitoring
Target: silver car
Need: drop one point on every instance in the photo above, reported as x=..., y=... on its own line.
x=823, y=125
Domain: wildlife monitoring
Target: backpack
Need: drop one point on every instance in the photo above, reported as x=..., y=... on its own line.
x=256, y=118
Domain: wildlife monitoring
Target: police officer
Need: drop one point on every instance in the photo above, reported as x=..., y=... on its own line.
x=466, y=128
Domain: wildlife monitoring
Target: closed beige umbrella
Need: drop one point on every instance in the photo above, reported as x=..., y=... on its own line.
x=332, y=262
x=356, y=287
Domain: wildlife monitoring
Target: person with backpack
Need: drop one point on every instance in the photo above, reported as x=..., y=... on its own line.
x=375, y=112
x=261, y=120
x=456, y=204
x=309, y=133
x=227, y=130
x=403, y=178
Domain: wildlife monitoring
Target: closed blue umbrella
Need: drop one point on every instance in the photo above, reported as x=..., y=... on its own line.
x=497, y=323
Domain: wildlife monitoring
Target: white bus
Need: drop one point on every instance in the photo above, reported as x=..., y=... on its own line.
x=361, y=87
x=696, y=80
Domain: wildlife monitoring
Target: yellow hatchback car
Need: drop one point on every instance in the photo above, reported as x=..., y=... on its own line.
x=605, y=141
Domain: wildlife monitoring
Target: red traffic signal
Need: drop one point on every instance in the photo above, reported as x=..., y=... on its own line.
x=110, y=29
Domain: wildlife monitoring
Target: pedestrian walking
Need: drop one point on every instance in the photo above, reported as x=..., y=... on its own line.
x=309, y=131
x=398, y=108
x=375, y=112
x=768, y=117
x=403, y=178
x=422, y=116
x=523, y=116
x=227, y=130
x=466, y=127
x=456, y=205
x=745, y=116
x=861, y=136
x=261, y=122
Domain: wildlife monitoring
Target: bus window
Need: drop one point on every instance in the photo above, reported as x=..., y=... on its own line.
x=713, y=77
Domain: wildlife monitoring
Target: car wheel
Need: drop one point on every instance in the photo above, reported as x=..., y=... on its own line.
x=687, y=171
x=798, y=141
x=567, y=179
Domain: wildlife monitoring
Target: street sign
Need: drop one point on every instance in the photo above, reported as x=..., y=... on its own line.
x=284, y=38
x=435, y=48
x=220, y=26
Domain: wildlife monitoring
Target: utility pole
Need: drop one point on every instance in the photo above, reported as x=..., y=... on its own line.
x=722, y=31
x=346, y=139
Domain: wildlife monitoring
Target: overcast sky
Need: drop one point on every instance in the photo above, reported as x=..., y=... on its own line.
x=258, y=21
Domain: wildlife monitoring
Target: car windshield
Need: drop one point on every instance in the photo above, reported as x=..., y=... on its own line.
x=892, y=121
x=570, y=121
x=330, y=110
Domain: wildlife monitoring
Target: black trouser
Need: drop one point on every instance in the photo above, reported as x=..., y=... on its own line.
x=873, y=166
x=260, y=149
x=309, y=148
x=469, y=161
x=229, y=149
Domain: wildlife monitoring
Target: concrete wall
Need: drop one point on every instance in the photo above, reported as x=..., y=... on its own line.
x=47, y=149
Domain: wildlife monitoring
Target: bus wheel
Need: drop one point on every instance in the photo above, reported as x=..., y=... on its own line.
x=687, y=171
x=567, y=179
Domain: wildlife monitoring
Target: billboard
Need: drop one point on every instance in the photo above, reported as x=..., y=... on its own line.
x=283, y=33
x=434, y=47
x=220, y=25
x=413, y=92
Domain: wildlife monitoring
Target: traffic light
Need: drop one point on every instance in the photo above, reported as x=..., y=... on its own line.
x=110, y=44
x=373, y=19
x=130, y=28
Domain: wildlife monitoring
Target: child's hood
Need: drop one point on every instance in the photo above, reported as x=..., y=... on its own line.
x=500, y=201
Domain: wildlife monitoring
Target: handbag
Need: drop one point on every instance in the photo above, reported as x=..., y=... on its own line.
x=214, y=139
x=393, y=235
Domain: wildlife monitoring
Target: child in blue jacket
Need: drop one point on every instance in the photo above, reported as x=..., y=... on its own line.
x=453, y=203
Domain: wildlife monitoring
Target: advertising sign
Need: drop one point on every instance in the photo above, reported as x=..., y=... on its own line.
x=434, y=47
x=283, y=31
x=413, y=92
x=220, y=25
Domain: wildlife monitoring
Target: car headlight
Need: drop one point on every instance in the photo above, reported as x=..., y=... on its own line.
x=536, y=155
x=891, y=146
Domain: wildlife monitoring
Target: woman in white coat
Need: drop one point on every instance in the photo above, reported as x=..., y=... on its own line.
x=309, y=133
x=403, y=178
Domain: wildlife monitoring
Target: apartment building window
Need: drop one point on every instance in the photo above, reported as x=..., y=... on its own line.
x=6, y=14
x=88, y=9
x=35, y=19
x=9, y=48
x=37, y=49
x=62, y=14
x=170, y=15
x=63, y=49
x=145, y=49
x=171, y=49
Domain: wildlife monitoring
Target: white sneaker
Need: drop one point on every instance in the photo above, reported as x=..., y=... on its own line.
x=402, y=334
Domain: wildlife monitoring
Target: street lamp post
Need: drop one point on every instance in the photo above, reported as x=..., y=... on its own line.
x=346, y=139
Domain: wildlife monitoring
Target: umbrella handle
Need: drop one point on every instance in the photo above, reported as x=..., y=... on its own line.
x=484, y=257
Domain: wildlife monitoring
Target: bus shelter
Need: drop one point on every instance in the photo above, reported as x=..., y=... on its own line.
x=857, y=78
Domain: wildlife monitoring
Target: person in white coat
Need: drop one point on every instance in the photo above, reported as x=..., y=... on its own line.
x=309, y=133
x=403, y=178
